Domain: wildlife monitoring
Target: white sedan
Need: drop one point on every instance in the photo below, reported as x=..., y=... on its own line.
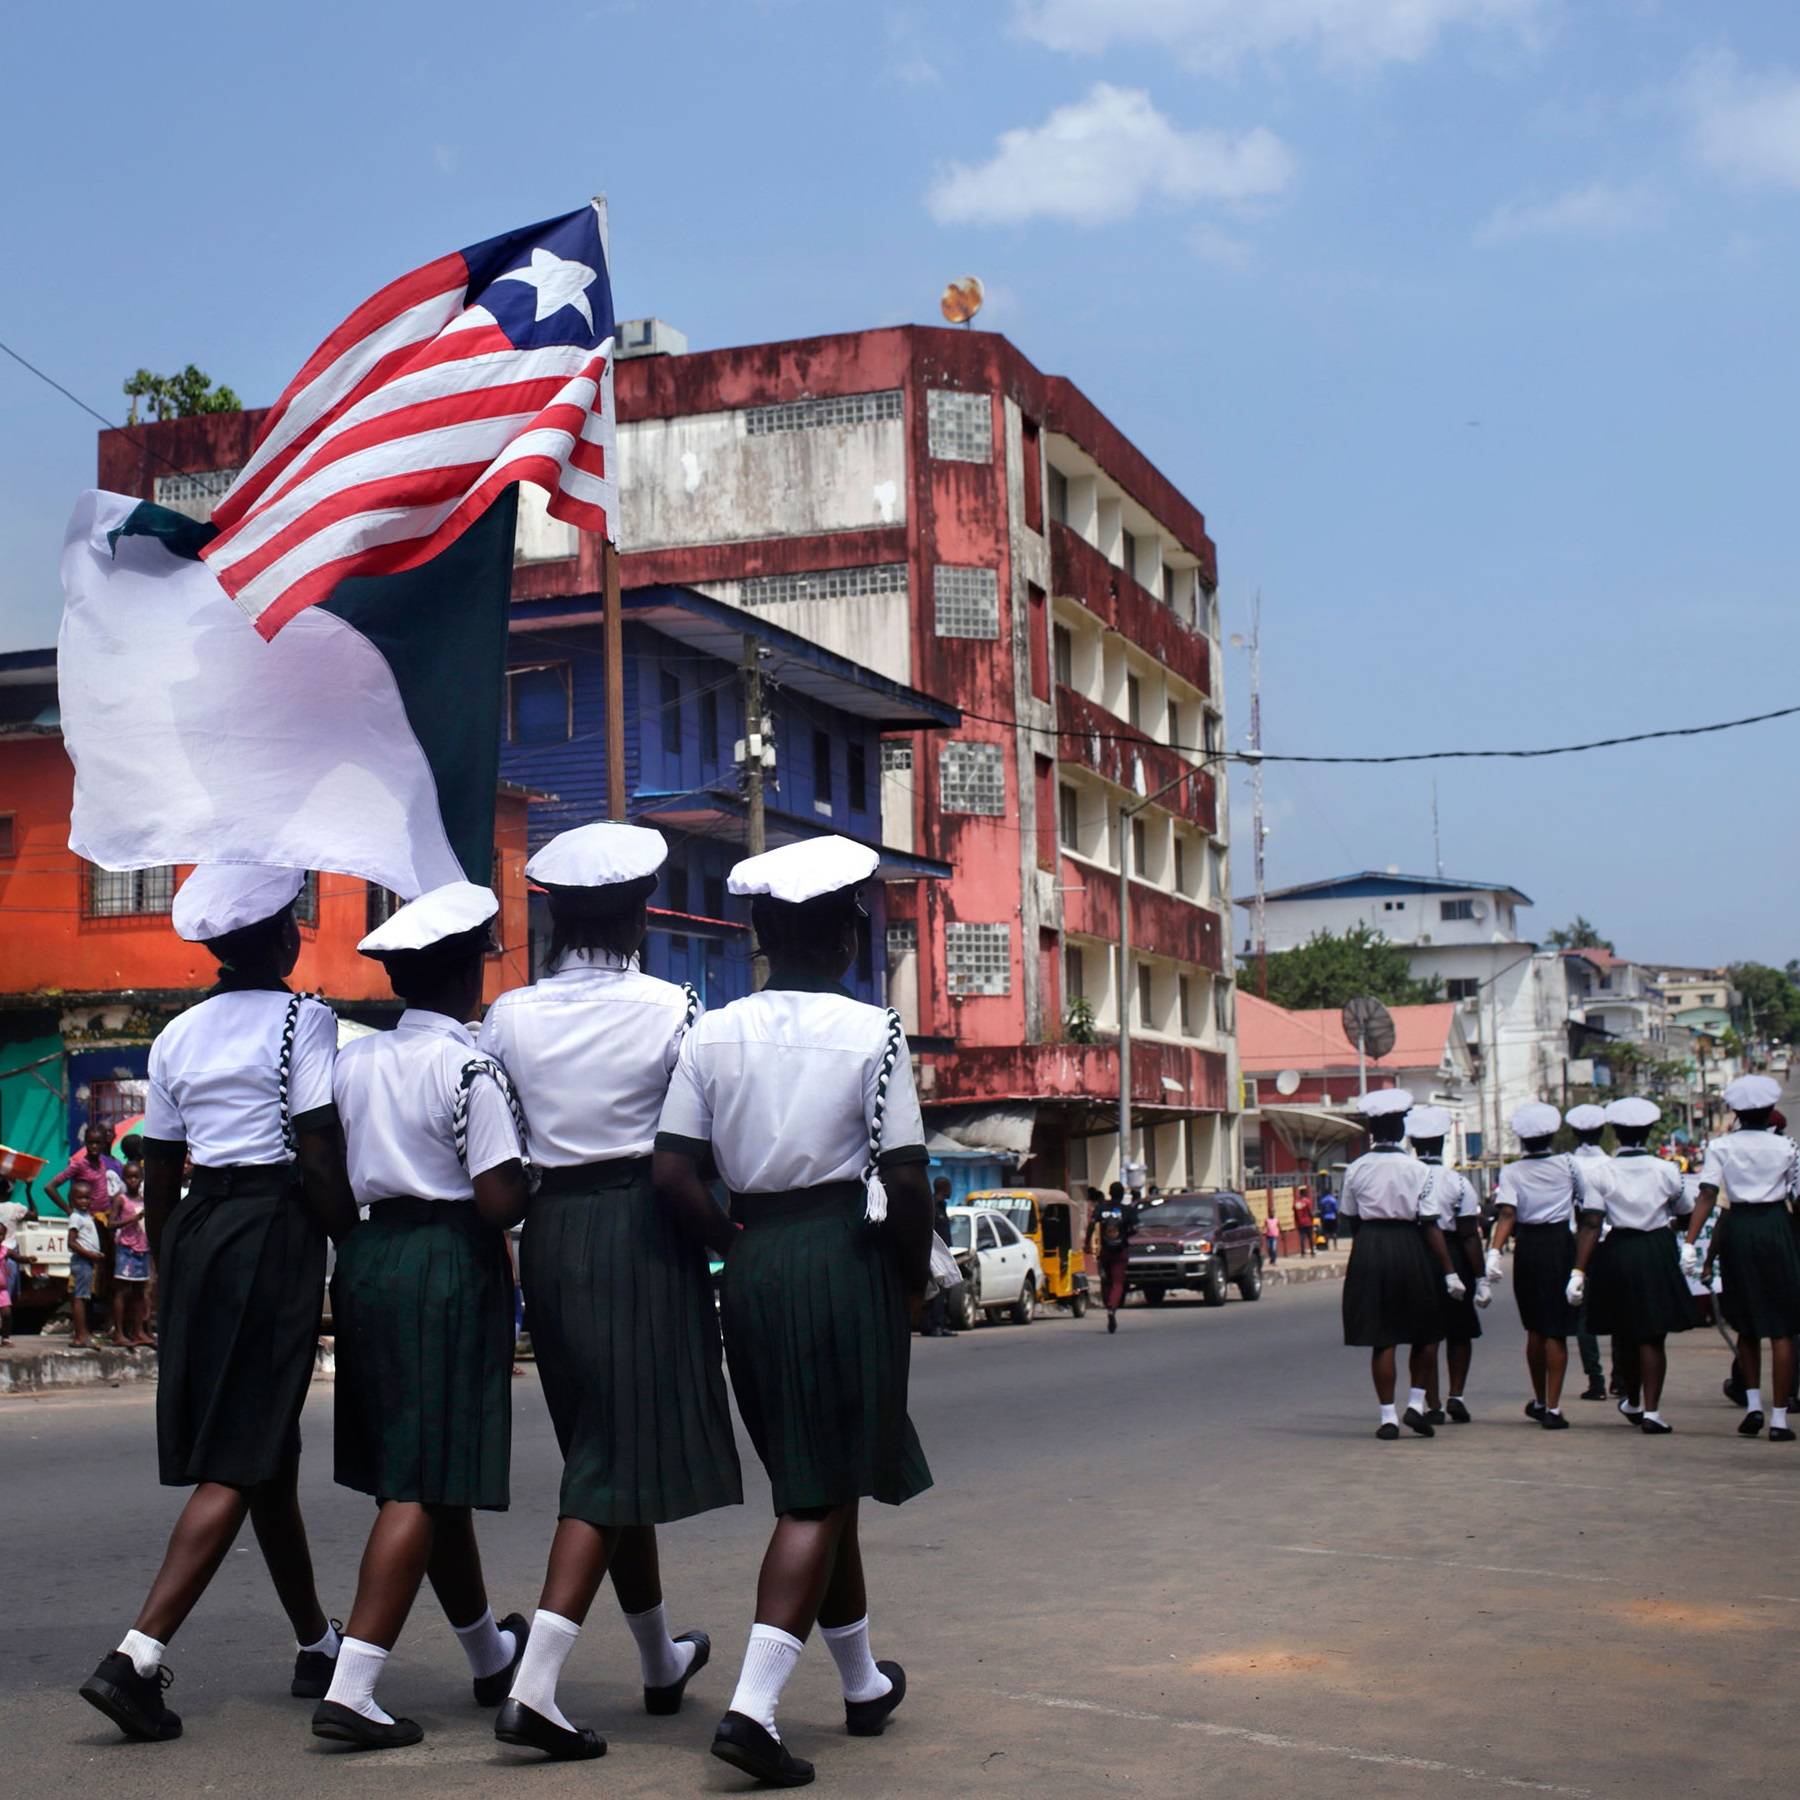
x=1002, y=1271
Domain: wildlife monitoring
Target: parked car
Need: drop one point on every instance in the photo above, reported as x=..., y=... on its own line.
x=1002, y=1271
x=1203, y=1242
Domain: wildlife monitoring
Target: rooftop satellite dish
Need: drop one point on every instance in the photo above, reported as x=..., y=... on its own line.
x=1479, y=909
x=1369, y=1025
x=1287, y=1082
x=962, y=300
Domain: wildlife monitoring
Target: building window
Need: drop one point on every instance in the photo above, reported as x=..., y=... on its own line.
x=823, y=584
x=896, y=757
x=1456, y=909
x=1173, y=712
x=1168, y=583
x=822, y=771
x=539, y=704
x=1140, y=849
x=1128, y=549
x=194, y=495
x=1134, y=702
x=1068, y=813
x=712, y=889
x=1032, y=472
x=967, y=600
x=1181, y=886
x=9, y=846
x=978, y=958
x=1222, y=1011
x=1146, y=989
x=856, y=777
x=1210, y=734
x=119, y=893
x=1059, y=496
x=1393, y=906
x=972, y=779
x=111, y=1103
x=1184, y=987
x=959, y=427
x=902, y=939
x=1062, y=643
x=1074, y=972
x=709, y=728
x=1461, y=987
x=306, y=902
x=832, y=409
x=379, y=905
x=671, y=713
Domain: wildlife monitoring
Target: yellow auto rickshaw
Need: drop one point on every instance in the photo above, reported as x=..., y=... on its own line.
x=1057, y=1225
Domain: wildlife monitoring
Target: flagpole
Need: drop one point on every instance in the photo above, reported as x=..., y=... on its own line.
x=612, y=629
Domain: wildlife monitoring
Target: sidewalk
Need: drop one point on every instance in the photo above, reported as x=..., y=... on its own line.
x=35, y=1365
x=1322, y=1265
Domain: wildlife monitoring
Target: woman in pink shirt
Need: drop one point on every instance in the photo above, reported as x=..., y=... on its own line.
x=89, y=1170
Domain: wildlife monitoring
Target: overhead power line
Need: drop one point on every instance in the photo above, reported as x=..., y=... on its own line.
x=51, y=381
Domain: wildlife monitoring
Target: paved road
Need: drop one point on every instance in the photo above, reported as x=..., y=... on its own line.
x=1175, y=1562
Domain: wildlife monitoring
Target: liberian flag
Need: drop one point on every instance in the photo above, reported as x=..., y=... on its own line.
x=488, y=366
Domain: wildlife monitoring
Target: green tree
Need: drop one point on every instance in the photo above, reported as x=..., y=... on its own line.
x=1328, y=969
x=178, y=396
x=1771, y=997
x=1581, y=935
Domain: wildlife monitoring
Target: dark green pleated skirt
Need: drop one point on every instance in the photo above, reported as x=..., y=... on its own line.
x=422, y=1303
x=819, y=1342
x=1636, y=1291
x=1759, y=1267
x=620, y=1309
x=241, y=1282
x=1543, y=1260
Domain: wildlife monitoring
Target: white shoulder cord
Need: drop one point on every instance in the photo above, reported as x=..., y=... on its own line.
x=472, y=1071
x=875, y=1206
x=284, y=1066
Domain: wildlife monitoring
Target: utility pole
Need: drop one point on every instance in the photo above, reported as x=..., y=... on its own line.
x=755, y=840
x=1437, y=848
x=612, y=622
x=1256, y=795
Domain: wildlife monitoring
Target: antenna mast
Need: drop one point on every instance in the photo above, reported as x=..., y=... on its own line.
x=1437, y=848
x=1256, y=794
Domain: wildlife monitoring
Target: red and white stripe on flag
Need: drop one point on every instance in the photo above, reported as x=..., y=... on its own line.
x=397, y=433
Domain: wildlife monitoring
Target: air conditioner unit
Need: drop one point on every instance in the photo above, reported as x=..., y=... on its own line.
x=647, y=337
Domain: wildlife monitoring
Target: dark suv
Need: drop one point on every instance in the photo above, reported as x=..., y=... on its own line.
x=1201, y=1242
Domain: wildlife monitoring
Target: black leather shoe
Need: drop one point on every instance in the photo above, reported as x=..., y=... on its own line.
x=1630, y=1416
x=666, y=1700
x=1435, y=1415
x=745, y=1745
x=344, y=1725
x=1733, y=1390
x=132, y=1701
x=1593, y=1391
x=1552, y=1421
x=1750, y=1425
x=1654, y=1427
x=1387, y=1433
x=1781, y=1434
x=1414, y=1420
x=868, y=1718
x=1459, y=1414
x=490, y=1690
x=313, y=1670
x=516, y=1723
x=1534, y=1409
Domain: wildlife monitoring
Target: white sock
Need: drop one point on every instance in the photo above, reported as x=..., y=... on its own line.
x=1625, y=1406
x=1753, y=1400
x=1555, y=1412
x=1778, y=1418
x=1456, y=1396
x=662, y=1660
x=540, y=1668
x=327, y=1645
x=488, y=1648
x=1415, y=1399
x=769, y=1659
x=1655, y=1418
x=1388, y=1415
x=849, y=1647
x=353, y=1681
x=145, y=1652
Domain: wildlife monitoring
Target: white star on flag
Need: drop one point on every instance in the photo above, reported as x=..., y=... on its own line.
x=559, y=282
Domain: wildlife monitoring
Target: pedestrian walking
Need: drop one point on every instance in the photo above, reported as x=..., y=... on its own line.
x=804, y=1098
x=1328, y=1213
x=1589, y=1125
x=1303, y=1221
x=1272, y=1233
x=1757, y=1174
x=242, y=1084
x=1458, y=1215
x=1538, y=1200
x=619, y=1302
x=1628, y=1271
x=1400, y=1266
x=1114, y=1222
x=422, y=1299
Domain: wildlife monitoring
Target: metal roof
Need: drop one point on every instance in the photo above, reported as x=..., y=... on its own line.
x=1388, y=881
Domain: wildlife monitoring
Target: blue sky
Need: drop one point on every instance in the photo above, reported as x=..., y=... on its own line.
x=1468, y=324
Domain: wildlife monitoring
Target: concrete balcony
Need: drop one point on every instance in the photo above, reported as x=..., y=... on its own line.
x=1080, y=573
x=1161, y=924
x=1089, y=1073
x=1096, y=739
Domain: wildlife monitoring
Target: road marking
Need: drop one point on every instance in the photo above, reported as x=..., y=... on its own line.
x=1276, y=1740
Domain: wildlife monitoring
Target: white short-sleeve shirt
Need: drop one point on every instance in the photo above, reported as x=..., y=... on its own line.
x=215, y=1076
x=1646, y=1192
x=1547, y=1189
x=1453, y=1194
x=781, y=1086
x=590, y=1050
x=1387, y=1184
x=396, y=1094
x=1753, y=1168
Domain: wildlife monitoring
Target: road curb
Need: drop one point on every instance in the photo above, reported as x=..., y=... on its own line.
x=41, y=1371
x=1283, y=1276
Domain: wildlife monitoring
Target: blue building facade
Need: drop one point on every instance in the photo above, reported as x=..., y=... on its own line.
x=684, y=718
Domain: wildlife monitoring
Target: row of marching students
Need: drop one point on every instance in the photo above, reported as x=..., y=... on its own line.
x=1615, y=1235
x=412, y=1151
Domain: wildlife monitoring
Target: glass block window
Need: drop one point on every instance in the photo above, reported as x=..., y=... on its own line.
x=978, y=958
x=824, y=584
x=972, y=779
x=195, y=495
x=903, y=938
x=896, y=757
x=832, y=409
x=960, y=427
x=117, y=893
x=968, y=601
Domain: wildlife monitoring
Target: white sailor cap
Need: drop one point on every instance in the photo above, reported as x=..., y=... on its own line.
x=599, y=855
x=1382, y=1101
x=221, y=897
x=1633, y=1112
x=1428, y=1122
x=1534, y=1120
x=443, y=912
x=1589, y=1118
x=1749, y=1092
x=804, y=871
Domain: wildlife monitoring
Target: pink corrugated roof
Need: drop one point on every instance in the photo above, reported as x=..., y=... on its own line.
x=1270, y=1038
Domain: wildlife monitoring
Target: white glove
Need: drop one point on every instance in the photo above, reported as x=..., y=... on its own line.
x=1453, y=1286
x=1484, y=1294
x=1495, y=1271
x=1690, y=1261
x=1576, y=1289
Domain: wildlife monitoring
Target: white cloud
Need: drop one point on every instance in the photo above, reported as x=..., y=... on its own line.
x=1215, y=34
x=1220, y=248
x=1744, y=125
x=1101, y=158
x=909, y=62
x=1599, y=210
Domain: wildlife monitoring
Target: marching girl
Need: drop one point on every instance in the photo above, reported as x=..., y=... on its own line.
x=1758, y=1172
x=1631, y=1278
x=618, y=1298
x=1459, y=1218
x=1539, y=1198
x=1400, y=1266
x=804, y=1097
x=422, y=1299
x=242, y=1084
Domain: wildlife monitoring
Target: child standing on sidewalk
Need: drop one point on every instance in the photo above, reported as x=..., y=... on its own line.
x=84, y=1260
x=131, y=1262
x=9, y=1261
